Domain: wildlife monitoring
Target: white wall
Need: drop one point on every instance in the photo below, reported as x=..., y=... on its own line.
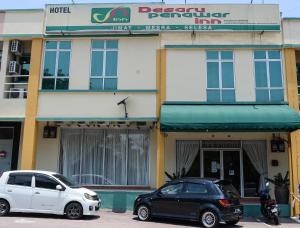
x=24, y=22
x=291, y=31
x=186, y=75
x=47, y=155
x=96, y=104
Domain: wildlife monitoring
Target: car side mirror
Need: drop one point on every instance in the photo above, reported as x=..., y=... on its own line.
x=159, y=193
x=59, y=188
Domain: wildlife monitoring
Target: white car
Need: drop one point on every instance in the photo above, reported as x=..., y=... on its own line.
x=35, y=191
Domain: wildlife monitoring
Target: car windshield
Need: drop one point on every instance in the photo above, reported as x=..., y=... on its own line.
x=66, y=181
x=228, y=189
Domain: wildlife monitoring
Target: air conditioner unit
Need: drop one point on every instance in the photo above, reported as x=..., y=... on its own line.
x=14, y=67
x=17, y=93
x=16, y=47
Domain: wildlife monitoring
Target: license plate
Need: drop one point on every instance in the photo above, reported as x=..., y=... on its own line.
x=274, y=210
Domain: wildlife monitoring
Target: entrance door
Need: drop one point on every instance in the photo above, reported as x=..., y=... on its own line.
x=222, y=164
x=6, y=146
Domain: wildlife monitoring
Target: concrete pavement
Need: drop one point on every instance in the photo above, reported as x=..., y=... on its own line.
x=107, y=219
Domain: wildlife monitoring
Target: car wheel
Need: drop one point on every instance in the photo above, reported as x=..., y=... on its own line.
x=143, y=213
x=74, y=211
x=233, y=222
x=4, y=207
x=209, y=219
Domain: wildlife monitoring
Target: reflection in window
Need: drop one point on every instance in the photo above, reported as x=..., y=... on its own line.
x=172, y=189
x=104, y=65
x=268, y=76
x=56, y=65
x=220, y=76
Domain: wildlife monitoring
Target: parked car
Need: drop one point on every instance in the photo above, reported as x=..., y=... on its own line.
x=206, y=200
x=45, y=192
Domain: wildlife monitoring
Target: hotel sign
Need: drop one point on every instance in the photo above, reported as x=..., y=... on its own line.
x=107, y=18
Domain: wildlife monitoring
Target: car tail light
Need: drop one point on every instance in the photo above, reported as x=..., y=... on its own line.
x=225, y=202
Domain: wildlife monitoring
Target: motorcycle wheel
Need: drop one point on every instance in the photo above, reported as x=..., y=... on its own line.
x=276, y=221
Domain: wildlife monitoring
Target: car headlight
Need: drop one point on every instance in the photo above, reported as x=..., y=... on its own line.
x=88, y=196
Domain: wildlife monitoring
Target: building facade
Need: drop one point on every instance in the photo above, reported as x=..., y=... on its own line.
x=114, y=96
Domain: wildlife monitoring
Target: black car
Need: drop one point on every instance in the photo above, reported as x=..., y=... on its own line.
x=206, y=200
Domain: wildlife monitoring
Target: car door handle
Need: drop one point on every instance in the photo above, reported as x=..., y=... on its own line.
x=37, y=193
x=9, y=190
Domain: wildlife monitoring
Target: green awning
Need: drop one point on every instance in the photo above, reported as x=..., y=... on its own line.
x=176, y=118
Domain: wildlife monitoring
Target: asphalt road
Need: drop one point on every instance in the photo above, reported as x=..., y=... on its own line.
x=107, y=219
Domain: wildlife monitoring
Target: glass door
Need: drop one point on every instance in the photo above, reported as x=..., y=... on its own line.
x=211, y=164
x=222, y=164
x=231, y=167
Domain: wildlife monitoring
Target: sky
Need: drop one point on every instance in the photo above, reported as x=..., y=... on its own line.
x=289, y=8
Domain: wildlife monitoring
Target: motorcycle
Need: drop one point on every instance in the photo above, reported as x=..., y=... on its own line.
x=268, y=206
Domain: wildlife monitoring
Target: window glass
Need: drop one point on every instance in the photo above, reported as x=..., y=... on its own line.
x=96, y=83
x=49, y=63
x=42, y=181
x=261, y=74
x=20, y=179
x=212, y=55
x=276, y=95
x=262, y=95
x=62, y=83
x=51, y=44
x=63, y=63
x=259, y=54
x=228, y=95
x=104, y=65
x=212, y=75
x=227, y=75
x=64, y=45
x=97, y=66
x=98, y=44
x=56, y=65
x=196, y=188
x=112, y=44
x=111, y=63
x=110, y=83
x=226, y=55
x=48, y=83
x=275, y=74
x=213, y=95
x=274, y=54
x=172, y=189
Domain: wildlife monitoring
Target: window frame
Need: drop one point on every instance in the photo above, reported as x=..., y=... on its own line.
x=220, y=76
x=104, y=50
x=57, y=52
x=267, y=61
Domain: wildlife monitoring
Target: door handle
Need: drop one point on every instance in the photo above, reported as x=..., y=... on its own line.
x=37, y=193
x=9, y=190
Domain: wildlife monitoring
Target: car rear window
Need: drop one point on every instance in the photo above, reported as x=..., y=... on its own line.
x=196, y=188
x=228, y=189
x=20, y=179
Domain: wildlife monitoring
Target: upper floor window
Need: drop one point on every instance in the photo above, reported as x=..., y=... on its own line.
x=56, y=65
x=104, y=64
x=268, y=76
x=220, y=76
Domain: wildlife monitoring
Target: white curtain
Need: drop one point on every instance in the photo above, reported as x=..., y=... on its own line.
x=186, y=152
x=108, y=157
x=257, y=153
x=138, y=168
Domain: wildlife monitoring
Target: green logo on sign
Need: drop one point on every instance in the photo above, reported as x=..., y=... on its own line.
x=111, y=15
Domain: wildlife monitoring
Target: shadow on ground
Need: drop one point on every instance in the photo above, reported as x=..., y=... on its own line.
x=48, y=216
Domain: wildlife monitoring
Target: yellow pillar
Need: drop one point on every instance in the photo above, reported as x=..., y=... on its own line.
x=160, y=98
x=30, y=124
x=294, y=147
